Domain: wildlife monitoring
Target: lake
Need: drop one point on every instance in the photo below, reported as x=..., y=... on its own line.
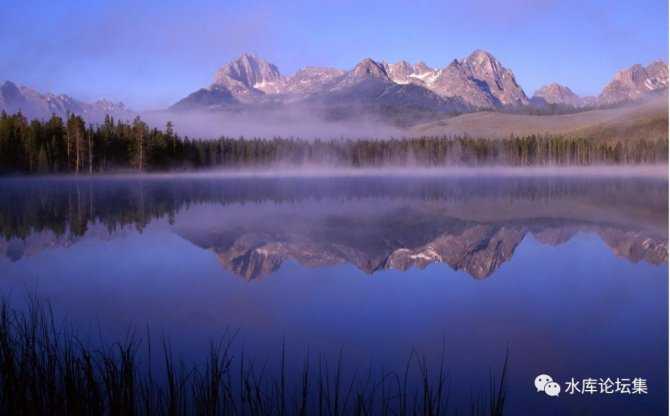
x=566, y=274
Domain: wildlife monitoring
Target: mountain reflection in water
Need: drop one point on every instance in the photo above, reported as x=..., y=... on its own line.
x=254, y=225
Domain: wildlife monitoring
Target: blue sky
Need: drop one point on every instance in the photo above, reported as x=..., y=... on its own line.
x=150, y=54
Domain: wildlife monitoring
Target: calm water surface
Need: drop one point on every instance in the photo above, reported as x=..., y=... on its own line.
x=568, y=274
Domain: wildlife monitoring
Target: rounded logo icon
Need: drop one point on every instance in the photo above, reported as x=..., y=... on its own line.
x=552, y=389
x=542, y=380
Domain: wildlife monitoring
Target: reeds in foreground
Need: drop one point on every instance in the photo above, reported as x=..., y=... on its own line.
x=45, y=370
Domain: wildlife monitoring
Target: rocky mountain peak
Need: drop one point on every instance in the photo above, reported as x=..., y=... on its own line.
x=481, y=81
x=312, y=79
x=421, y=67
x=423, y=74
x=658, y=69
x=369, y=68
x=8, y=84
x=555, y=93
x=483, y=66
x=634, y=82
x=400, y=72
x=481, y=57
x=9, y=91
x=248, y=71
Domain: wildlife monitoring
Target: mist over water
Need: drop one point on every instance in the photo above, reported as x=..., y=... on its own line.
x=310, y=170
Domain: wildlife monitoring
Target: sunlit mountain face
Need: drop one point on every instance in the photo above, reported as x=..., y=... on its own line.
x=254, y=225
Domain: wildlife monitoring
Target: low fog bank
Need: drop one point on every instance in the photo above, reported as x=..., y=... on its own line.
x=658, y=171
x=640, y=171
x=289, y=122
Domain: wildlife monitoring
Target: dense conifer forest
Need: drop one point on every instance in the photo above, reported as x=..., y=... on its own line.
x=72, y=146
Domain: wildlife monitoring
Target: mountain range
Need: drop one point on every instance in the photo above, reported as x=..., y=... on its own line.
x=474, y=83
x=33, y=104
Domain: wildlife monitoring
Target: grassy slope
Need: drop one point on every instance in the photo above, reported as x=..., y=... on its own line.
x=648, y=119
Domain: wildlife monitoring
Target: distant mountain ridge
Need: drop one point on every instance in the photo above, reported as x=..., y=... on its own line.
x=627, y=85
x=33, y=104
x=476, y=82
x=555, y=93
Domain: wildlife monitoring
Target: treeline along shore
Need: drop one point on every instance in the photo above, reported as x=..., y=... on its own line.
x=71, y=146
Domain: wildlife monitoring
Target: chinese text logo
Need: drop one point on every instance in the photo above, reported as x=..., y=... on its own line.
x=637, y=385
